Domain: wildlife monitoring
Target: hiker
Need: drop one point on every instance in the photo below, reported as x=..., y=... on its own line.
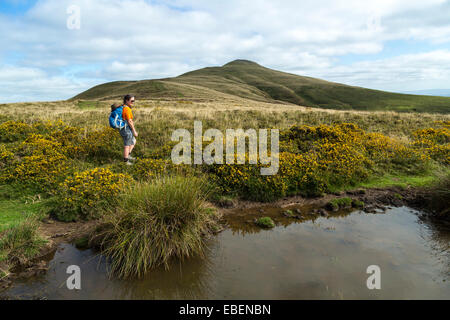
x=121, y=118
x=128, y=132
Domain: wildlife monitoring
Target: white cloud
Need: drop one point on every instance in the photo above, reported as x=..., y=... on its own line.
x=125, y=39
x=414, y=71
x=32, y=84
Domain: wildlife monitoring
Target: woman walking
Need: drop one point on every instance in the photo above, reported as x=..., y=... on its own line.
x=128, y=132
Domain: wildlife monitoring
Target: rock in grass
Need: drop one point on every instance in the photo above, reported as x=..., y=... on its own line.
x=339, y=203
x=225, y=202
x=357, y=203
x=290, y=214
x=265, y=222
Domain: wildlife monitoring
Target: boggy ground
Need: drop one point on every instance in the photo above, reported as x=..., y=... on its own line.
x=374, y=199
x=55, y=232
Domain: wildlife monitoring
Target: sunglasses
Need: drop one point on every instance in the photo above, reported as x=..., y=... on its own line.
x=132, y=101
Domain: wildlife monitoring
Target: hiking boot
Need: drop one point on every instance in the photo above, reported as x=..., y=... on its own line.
x=131, y=158
x=129, y=163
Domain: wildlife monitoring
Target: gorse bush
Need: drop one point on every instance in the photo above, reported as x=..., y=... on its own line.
x=35, y=161
x=11, y=131
x=156, y=221
x=145, y=169
x=312, y=159
x=87, y=194
x=74, y=142
x=434, y=143
x=101, y=144
x=6, y=157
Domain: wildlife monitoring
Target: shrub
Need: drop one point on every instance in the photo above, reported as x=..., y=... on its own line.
x=156, y=221
x=145, y=169
x=6, y=158
x=39, y=163
x=11, y=131
x=101, y=144
x=85, y=195
x=434, y=142
x=312, y=159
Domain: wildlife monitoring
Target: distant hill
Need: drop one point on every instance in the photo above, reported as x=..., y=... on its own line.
x=250, y=80
x=431, y=92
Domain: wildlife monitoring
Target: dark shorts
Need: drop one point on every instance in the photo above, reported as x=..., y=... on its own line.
x=127, y=135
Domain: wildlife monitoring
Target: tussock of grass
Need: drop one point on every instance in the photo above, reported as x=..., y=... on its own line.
x=265, y=222
x=338, y=203
x=156, y=221
x=20, y=243
x=441, y=195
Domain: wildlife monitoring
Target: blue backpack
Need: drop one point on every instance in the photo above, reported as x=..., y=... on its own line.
x=115, y=119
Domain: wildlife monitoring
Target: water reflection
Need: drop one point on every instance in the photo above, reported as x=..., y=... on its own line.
x=310, y=258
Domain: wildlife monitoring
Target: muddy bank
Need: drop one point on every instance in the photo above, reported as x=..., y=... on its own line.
x=373, y=199
x=55, y=232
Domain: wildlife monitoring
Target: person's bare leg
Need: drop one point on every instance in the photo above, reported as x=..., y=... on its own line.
x=131, y=148
x=126, y=151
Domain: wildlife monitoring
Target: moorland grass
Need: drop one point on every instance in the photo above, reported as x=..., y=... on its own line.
x=440, y=195
x=154, y=222
x=20, y=243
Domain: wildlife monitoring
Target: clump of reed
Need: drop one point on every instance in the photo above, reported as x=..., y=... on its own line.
x=20, y=243
x=156, y=221
x=440, y=195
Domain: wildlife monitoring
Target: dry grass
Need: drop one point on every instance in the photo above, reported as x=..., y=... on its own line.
x=217, y=112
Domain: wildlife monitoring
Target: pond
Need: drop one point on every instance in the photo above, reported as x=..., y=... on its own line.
x=320, y=258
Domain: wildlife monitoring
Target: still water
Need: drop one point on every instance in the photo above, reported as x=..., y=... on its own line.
x=324, y=258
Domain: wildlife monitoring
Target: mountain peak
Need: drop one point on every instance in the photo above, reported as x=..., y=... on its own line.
x=240, y=62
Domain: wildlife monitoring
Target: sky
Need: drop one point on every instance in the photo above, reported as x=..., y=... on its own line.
x=55, y=49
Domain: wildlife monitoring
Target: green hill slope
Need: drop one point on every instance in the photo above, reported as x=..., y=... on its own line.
x=249, y=80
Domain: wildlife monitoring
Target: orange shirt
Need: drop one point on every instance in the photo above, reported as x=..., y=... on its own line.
x=127, y=114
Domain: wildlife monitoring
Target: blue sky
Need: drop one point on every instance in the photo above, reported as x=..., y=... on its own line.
x=16, y=7
x=393, y=45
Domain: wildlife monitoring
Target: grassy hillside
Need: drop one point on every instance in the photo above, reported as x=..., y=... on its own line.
x=249, y=80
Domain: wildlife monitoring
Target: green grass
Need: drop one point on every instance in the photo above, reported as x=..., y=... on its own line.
x=17, y=203
x=340, y=203
x=20, y=242
x=156, y=221
x=389, y=180
x=265, y=222
x=396, y=180
x=14, y=212
x=440, y=198
x=92, y=104
x=249, y=80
